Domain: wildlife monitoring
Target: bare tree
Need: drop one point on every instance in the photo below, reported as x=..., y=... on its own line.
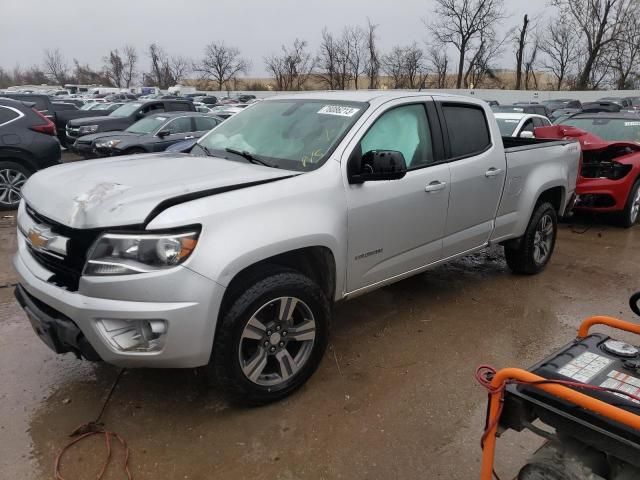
x=480, y=64
x=520, y=46
x=56, y=66
x=406, y=66
x=353, y=40
x=439, y=63
x=372, y=61
x=221, y=64
x=600, y=23
x=462, y=22
x=165, y=71
x=130, y=65
x=530, y=63
x=559, y=43
x=333, y=62
x=84, y=74
x=291, y=69
x=114, y=68
x=624, y=58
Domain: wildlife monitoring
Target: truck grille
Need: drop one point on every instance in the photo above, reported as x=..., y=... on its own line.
x=66, y=269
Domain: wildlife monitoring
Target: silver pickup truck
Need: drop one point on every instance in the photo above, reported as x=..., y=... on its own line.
x=231, y=257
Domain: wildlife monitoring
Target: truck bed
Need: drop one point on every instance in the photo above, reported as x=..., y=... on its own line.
x=512, y=144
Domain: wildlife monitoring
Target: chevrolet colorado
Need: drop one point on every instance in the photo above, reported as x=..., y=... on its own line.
x=231, y=257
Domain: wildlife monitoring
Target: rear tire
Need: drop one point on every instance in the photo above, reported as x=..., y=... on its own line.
x=271, y=338
x=12, y=178
x=536, y=246
x=629, y=216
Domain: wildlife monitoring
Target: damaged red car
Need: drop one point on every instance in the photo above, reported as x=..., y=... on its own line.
x=609, y=179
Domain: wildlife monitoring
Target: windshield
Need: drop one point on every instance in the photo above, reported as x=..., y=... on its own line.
x=146, y=125
x=507, y=109
x=290, y=134
x=125, y=110
x=507, y=126
x=612, y=129
x=102, y=106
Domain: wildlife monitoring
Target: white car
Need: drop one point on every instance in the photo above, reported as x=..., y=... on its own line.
x=520, y=124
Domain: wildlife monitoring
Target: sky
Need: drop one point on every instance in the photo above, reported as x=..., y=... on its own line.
x=88, y=29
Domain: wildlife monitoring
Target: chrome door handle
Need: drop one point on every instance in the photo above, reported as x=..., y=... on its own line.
x=435, y=186
x=493, y=172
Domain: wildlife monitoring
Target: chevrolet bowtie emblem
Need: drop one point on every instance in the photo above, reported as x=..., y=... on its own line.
x=38, y=239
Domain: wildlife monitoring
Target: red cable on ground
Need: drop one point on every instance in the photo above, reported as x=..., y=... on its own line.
x=95, y=428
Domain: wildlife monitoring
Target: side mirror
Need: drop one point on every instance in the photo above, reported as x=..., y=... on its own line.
x=527, y=134
x=163, y=133
x=380, y=165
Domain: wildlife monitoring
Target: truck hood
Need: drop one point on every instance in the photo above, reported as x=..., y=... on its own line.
x=94, y=120
x=128, y=190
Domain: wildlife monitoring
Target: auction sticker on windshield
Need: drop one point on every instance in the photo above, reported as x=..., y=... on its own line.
x=339, y=110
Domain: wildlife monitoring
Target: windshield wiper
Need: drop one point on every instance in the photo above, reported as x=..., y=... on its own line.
x=250, y=157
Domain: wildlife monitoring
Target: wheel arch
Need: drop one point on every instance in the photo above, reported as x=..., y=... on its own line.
x=316, y=262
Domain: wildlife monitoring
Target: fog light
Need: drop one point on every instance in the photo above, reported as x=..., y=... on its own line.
x=134, y=335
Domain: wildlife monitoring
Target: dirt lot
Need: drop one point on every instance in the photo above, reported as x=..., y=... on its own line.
x=393, y=398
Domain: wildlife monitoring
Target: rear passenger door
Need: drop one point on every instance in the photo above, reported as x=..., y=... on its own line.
x=478, y=169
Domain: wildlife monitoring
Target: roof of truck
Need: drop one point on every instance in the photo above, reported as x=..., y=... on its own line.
x=359, y=95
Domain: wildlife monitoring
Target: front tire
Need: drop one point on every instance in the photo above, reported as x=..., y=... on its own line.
x=536, y=246
x=12, y=177
x=629, y=216
x=271, y=338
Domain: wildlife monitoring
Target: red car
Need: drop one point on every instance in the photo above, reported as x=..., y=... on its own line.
x=609, y=178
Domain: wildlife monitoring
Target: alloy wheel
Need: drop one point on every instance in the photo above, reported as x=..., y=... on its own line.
x=11, y=182
x=635, y=207
x=543, y=239
x=277, y=341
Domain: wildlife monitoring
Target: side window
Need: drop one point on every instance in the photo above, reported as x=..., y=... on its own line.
x=404, y=129
x=179, y=125
x=153, y=108
x=7, y=115
x=204, y=124
x=177, y=107
x=468, y=129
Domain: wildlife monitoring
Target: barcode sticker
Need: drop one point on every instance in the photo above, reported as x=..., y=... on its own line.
x=339, y=110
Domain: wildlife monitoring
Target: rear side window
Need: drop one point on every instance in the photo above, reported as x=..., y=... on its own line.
x=7, y=115
x=468, y=129
x=178, y=106
x=205, y=123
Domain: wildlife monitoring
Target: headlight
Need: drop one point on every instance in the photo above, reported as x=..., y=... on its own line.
x=86, y=129
x=126, y=254
x=108, y=144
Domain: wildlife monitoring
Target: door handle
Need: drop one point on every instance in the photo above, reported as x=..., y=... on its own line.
x=493, y=172
x=435, y=186
x=189, y=137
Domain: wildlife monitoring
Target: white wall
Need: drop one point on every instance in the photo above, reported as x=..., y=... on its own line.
x=505, y=96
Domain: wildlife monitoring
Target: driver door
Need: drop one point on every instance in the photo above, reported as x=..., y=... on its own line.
x=397, y=226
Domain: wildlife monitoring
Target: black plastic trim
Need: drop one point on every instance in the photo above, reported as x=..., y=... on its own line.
x=187, y=197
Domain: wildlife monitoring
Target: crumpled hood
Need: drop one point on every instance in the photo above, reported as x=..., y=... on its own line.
x=124, y=190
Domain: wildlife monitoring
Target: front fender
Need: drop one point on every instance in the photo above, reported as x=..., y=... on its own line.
x=245, y=226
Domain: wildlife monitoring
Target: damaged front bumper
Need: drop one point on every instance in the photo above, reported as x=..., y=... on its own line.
x=603, y=194
x=81, y=322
